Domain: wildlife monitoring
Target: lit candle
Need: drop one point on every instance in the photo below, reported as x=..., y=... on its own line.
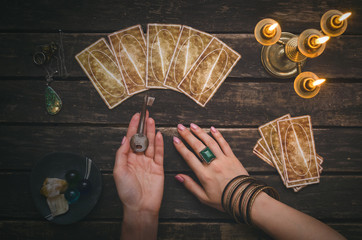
x=314, y=41
x=337, y=20
x=344, y=16
x=321, y=40
x=272, y=27
x=310, y=84
x=269, y=31
x=318, y=82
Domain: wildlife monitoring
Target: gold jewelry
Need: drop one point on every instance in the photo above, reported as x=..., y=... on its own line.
x=245, y=200
x=269, y=190
x=227, y=188
x=233, y=189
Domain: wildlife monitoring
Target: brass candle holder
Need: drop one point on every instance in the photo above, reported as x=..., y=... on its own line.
x=283, y=53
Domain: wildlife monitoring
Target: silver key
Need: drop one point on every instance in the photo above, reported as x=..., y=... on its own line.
x=139, y=141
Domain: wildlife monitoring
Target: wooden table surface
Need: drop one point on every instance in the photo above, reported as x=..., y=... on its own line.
x=247, y=99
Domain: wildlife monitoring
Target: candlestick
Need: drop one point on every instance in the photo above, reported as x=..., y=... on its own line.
x=284, y=54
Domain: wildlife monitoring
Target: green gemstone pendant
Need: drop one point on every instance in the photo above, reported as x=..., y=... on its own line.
x=53, y=103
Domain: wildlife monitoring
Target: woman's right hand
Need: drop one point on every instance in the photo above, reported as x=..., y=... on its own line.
x=214, y=176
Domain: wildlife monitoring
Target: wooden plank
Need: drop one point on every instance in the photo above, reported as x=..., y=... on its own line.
x=112, y=230
x=215, y=16
x=319, y=200
x=39, y=230
x=234, y=104
x=339, y=60
x=22, y=146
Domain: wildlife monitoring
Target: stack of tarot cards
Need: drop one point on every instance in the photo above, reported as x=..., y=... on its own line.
x=172, y=56
x=287, y=144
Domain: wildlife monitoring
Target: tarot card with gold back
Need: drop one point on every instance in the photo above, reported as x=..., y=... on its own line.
x=209, y=72
x=269, y=133
x=320, y=169
x=100, y=65
x=262, y=153
x=191, y=43
x=161, y=43
x=129, y=46
x=298, y=151
x=260, y=148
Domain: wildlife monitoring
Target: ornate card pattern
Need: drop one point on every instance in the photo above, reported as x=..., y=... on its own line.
x=100, y=65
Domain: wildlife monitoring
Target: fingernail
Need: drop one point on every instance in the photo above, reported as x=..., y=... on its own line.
x=176, y=140
x=194, y=126
x=179, y=178
x=136, y=116
x=181, y=127
x=213, y=129
x=123, y=140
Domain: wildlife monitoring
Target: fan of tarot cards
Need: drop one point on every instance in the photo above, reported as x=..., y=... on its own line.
x=174, y=57
x=287, y=144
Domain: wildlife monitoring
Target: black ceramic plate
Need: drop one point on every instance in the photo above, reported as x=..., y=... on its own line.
x=56, y=165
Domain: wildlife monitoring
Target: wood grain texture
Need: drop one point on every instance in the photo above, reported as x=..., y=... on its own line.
x=234, y=104
x=339, y=60
x=319, y=200
x=112, y=230
x=39, y=230
x=23, y=146
x=211, y=16
x=249, y=98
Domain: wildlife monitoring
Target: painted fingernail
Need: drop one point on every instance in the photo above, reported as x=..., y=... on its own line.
x=194, y=126
x=179, y=178
x=123, y=140
x=181, y=127
x=213, y=129
x=176, y=140
x=150, y=120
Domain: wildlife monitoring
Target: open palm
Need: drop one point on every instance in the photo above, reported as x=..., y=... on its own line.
x=139, y=177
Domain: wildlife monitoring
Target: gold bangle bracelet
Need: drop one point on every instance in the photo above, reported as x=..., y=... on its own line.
x=269, y=190
x=227, y=187
x=246, y=200
x=246, y=192
x=251, y=202
x=233, y=186
x=233, y=210
x=239, y=196
x=231, y=195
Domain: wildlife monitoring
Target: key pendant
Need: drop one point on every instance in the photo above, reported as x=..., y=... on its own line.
x=53, y=103
x=139, y=141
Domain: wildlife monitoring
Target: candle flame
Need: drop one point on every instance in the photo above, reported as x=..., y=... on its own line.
x=344, y=16
x=318, y=82
x=322, y=40
x=272, y=27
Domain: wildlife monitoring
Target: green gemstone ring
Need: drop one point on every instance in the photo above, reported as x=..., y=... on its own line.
x=207, y=155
